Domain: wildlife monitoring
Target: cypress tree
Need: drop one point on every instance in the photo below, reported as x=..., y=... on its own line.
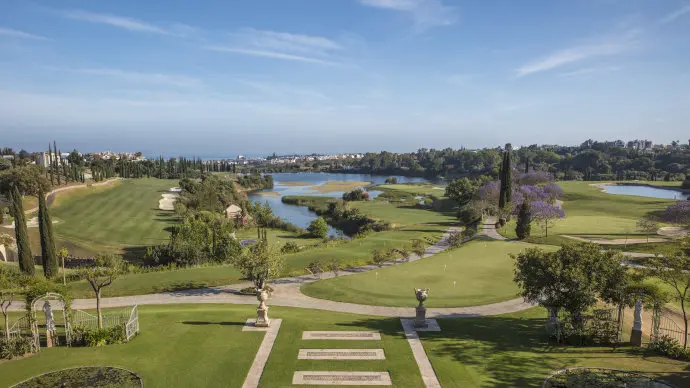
x=50, y=165
x=508, y=176
x=523, y=228
x=26, y=259
x=57, y=162
x=45, y=225
x=502, y=178
x=526, y=165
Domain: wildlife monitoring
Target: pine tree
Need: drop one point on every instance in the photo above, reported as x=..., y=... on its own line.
x=45, y=225
x=523, y=229
x=26, y=259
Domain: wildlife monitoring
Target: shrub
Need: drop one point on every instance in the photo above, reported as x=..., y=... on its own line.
x=318, y=228
x=15, y=347
x=392, y=180
x=469, y=215
x=455, y=240
x=315, y=268
x=290, y=247
x=252, y=290
x=82, y=336
x=669, y=347
x=686, y=184
x=356, y=195
x=334, y=266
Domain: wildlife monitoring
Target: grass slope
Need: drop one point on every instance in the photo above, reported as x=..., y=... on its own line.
x=113, y=218
x=511, y=351
x=591, y=212
x=416, y=189
x=204, y=346
x=482, y=272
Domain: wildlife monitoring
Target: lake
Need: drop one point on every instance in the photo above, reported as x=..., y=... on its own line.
x=304, y=183
x=645, y=191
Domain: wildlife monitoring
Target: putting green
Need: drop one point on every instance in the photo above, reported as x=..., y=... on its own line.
x=481, y=272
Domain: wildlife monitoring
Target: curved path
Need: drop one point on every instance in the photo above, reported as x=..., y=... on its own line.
x=287, y=292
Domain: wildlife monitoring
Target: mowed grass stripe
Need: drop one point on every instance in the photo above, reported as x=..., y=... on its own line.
x=125, y=215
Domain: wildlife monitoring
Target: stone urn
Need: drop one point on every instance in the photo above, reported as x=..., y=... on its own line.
x=420, y=318
x=262, y=319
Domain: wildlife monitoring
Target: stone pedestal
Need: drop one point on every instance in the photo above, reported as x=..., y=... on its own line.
x=49, y=339
x=420, y=317
x=636, y=333
x=262, y=319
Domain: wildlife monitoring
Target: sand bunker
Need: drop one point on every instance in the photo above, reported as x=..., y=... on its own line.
x=268, y=194
x=32, y=223
x=335, y=186
x=673, y=231
x=618, y=241
x=167, y=202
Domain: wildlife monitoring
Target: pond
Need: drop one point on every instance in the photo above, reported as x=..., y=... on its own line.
x=318, y=184
x=645, y=191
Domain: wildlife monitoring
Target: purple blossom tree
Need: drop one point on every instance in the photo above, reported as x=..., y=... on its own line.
x=535, y=178
x=489, y=192
x=553, y=192
x=544, y=213
x=678, y=213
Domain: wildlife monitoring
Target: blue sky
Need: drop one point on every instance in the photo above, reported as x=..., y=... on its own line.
x=214, y=78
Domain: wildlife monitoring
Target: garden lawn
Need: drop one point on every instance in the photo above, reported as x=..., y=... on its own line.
x=114, y=218
x=359, y=252
x=204, y=346
x=162, y=281
x=478, y=273
x=512, y=351
x=416, y=189
x=590, y=212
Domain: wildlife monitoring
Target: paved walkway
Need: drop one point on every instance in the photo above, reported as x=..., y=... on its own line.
x=287, y=292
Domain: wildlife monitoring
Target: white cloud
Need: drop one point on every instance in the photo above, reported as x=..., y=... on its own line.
x=271, y=54
x=424, y=13
x=675, y=14
x=151, y=78
x=116, y=21
x=12, y=33
x=282, y=41
x=283, y=46
x=604, y=48
x=591, y=70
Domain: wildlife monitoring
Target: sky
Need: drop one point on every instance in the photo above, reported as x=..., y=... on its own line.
x=215, y=78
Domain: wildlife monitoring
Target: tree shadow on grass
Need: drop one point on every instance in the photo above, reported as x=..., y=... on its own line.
x=206, y=323
x=513, y=352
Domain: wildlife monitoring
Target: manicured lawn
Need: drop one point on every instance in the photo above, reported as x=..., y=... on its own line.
x=401, y=215
x=591, y=212
x=359, y=251
x=478, y=273
x=512, y=351
x=204, y=346
x=114, y=218
x=417, y=189
x=353, y=253
x=163, y=281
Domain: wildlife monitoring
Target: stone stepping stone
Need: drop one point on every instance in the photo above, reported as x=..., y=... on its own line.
x=341, y=335
x=341, y=378
x=341, y=354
